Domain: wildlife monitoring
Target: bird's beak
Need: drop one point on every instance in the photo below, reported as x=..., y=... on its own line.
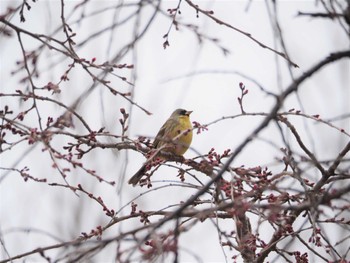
x=188, y=113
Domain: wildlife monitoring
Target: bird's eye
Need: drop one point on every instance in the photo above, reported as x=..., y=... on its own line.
x=183, y=112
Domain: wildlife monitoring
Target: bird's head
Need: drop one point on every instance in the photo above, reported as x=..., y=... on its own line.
x=181, y=112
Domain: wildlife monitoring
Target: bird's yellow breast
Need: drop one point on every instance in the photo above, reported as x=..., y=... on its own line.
x=182, y=143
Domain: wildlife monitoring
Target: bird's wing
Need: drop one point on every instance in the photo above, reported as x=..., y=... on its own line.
x=163, y=133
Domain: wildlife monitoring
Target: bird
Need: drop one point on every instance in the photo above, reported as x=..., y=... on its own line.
x=175, y=136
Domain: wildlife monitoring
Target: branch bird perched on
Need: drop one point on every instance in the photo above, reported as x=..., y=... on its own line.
x=175, y=136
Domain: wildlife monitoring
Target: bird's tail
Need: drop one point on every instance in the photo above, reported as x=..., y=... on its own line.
x=137, y=176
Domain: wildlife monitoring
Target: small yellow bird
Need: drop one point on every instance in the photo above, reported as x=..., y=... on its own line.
x=175, y=136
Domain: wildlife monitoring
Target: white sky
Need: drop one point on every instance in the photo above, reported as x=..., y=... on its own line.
x=161, y=87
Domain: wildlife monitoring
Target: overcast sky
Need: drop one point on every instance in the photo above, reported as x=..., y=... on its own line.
x=188, y=74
